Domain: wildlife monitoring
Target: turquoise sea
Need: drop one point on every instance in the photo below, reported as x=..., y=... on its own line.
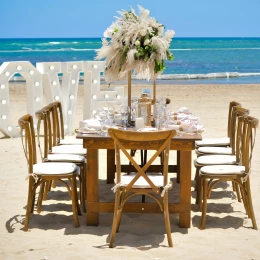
x=204, y=60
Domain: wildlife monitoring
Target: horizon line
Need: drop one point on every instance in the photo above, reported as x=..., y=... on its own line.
x=95, y=37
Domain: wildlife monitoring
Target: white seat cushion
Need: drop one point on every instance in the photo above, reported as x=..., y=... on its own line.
x=216, y=159
x=55, y=168
x=71, y=141
x=66, y=157
x=215, y=150
x=223, y=169
x=70, y=149
x=214, y=142
x=141, y=182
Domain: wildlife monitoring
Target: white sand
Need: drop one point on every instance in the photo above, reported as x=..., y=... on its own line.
x=52, y=235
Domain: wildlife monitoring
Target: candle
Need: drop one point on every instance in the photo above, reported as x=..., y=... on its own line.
x=139, y=122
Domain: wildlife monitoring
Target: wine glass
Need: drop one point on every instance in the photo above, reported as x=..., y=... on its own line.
x=111, y=115
x=124, y=110
x=101, y=116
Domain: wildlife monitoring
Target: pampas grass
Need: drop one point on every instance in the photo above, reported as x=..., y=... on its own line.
x=135, y=43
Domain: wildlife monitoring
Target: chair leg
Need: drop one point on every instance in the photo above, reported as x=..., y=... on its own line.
x=29, y=205
x=250, y=204
x=54, y=184
x=120, y=211
x=197, y=185
x=167, y=219
x=115, y=219
x=205, y=197
x=199, y=194
x=47, y=189
x=76, y=197
x=236, y=190
x=74, y=201
x=40, y=197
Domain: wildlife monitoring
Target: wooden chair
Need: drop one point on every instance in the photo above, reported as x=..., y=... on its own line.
x=45, y=127
x=220, y=142
x=214, y=159
x=59, y=144
x=239, y=174
x=41, y=173
x=128, y=186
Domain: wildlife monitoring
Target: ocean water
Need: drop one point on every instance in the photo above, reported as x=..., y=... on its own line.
x=204, y=60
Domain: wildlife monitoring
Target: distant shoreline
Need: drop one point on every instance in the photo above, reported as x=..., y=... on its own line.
x=183, y=79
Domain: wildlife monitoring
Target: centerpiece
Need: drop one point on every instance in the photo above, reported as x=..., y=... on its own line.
x=135, y=44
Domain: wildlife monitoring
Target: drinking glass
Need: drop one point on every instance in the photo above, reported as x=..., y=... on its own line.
x=124, y=110
x=111, y=115
x=101, y=116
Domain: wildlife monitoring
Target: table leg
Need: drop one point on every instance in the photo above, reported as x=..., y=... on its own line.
x=178, y=167
x=92, y=218
x=110, y=165
x=185, y=187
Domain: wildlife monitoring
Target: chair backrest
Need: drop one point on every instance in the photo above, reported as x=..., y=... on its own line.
x=248, y=129
x=58, y=116
x=46, y=126
x=28, y=140
x=232, y=104
x=159, y=141
x=237, y=112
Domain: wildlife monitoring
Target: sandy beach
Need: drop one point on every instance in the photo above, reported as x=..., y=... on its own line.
x=228, y=233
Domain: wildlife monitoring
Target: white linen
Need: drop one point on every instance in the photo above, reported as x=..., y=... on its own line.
x=90, y=124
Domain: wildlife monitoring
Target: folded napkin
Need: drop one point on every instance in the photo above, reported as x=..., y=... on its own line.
x=179, y=117
x=89, y=124
x=87, y=130
x=193, y=118
x=186, y=124
x=147, y=129
x=184, y=110
x=174, y=127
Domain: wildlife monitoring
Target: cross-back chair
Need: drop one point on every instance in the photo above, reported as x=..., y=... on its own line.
x=239, y=174
x=128, y=186
x=41, y=173
x=45, y=127
x=214, y=159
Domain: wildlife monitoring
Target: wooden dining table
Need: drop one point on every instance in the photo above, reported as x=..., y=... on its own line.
x=183, y=144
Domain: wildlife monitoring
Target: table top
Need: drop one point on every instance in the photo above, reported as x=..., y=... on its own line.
x=183, y=142
x=184, y=136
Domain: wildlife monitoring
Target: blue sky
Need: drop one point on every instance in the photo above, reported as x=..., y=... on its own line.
x=85, y=18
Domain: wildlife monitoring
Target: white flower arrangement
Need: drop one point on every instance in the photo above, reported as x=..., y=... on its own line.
x=135, y=43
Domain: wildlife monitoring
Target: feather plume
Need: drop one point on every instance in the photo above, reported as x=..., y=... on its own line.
x=135, y=42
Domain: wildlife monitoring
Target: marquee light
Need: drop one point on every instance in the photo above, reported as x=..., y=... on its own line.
x=45, y=74
x=66, y=95
x=94, y=97
x=7, y=70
